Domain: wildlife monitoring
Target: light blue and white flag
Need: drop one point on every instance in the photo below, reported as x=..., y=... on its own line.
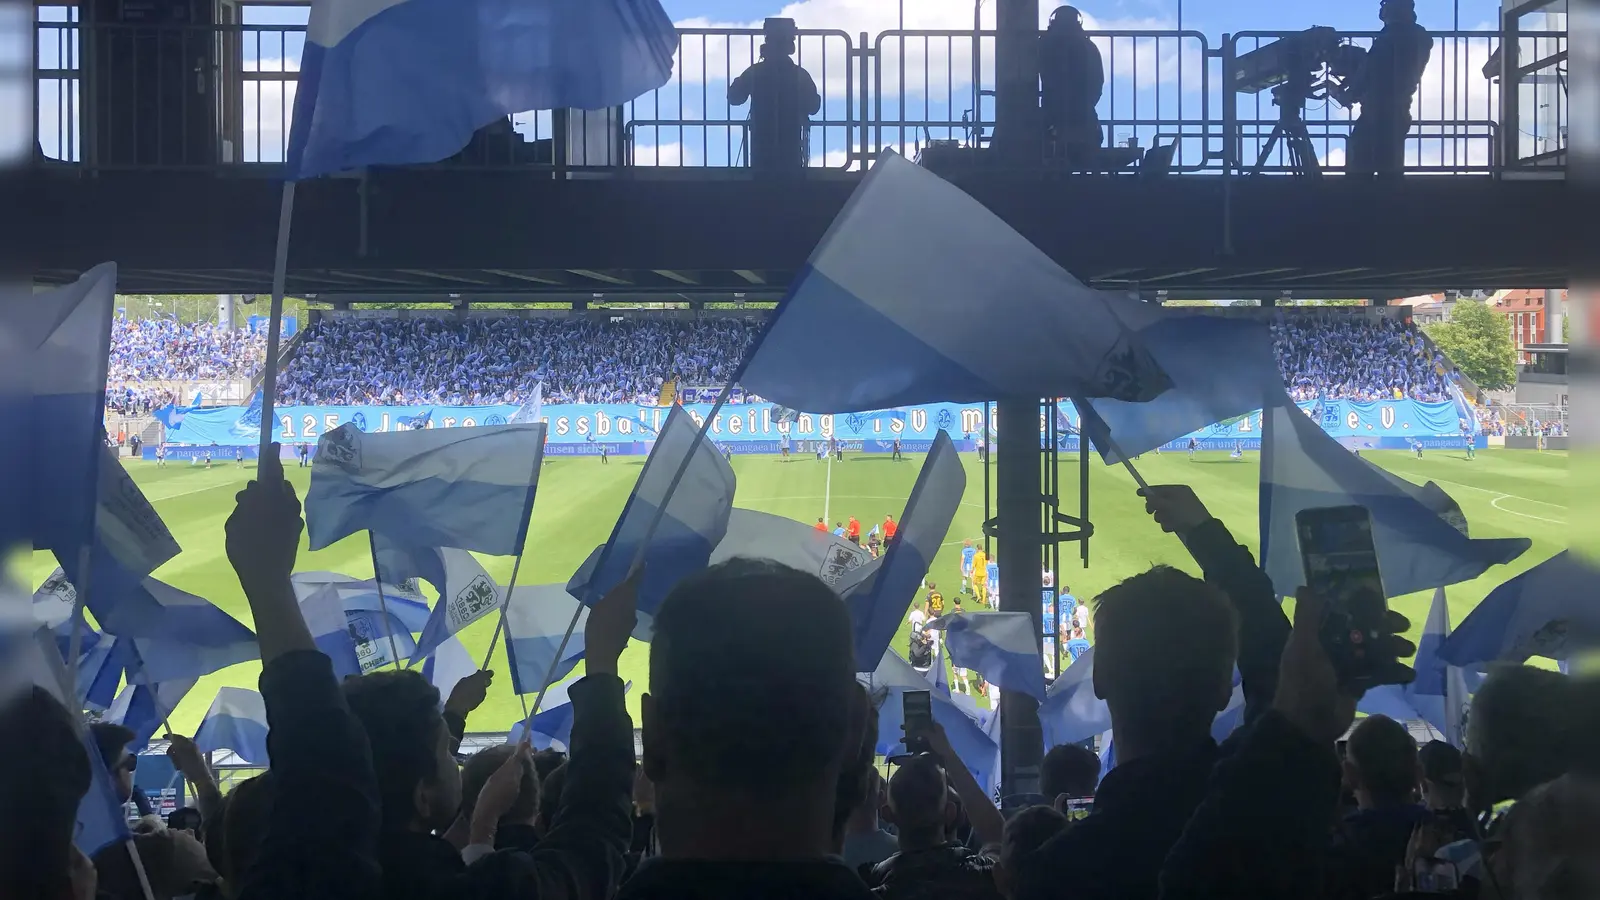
x=1418, y=547
x=1438, y=695
x=887, y=684
x=1463, y=408
x=179, y=634
x=1222, y=369
x=330, y=629
x=1000, y=646
x=467, y=595
x=879, y=597
x=760, y=535
x=379, y=642
x=65, y=338
x=1108, y=755
x=533, y=409
x=406, y=607
x=470, y=488
x=396, y=563
x=551, y=726
x=449, y=664
x=126, y=525
x=400, y=82
x=237, y=721
x=144, y=705
x=1232, y=715
x=537, y=617
x=900, y=304
x=1071, y=713
x=678, y=513
x=1546, y=611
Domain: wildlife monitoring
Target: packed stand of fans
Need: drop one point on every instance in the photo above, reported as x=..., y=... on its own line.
x=759, y=776
x=423, y=360
x=165, y=350
x=1338, y=356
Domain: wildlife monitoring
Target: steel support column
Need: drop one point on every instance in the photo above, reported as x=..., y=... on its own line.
x=1019, y=509
x=1018, y=128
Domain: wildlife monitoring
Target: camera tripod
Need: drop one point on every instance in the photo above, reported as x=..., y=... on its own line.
x=1290, y=98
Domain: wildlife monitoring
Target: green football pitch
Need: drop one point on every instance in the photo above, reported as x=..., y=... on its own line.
x=1503, y=493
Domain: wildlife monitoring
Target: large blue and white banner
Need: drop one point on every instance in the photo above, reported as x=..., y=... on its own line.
x=581, y=429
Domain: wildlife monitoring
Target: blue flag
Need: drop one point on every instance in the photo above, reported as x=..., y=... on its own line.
x=678, y=513
x=180, y=635
x=899, y=305
x=145, y=703
x=1222, y=368
x=1071, y=713
x=330, y=629
x=470, y=488
x=879, y=602
x=762, y=535
x=1438, y=695
x=237, y=721
x=1000, y=645
x=551, y=726
x=888, y=682
x=399, y=83
x=536, y=619
x=64, y=338
x=396, y=563
x=1546, y=611
x=1419, y=548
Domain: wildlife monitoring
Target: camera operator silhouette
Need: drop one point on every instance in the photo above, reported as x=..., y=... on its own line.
x=1384, y=86
x=1072, y=78
x=782, y=98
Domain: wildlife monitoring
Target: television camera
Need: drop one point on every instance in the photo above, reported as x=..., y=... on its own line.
x=1311, y=65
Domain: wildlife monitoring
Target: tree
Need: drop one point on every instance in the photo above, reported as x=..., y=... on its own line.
x=1478, y=340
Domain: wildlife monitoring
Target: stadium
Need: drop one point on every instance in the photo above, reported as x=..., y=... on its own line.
x=948, y=450
x=1368, y=376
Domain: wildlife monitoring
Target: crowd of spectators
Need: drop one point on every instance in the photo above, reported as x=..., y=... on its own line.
x=147, y=355
x=1337, y=356
x=401, y=361
x=425, y=360
x=759, y=774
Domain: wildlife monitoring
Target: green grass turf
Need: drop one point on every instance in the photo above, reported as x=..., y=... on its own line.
x=1503, y=493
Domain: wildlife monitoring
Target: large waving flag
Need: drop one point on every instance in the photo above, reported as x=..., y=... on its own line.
x=466, y=595
x=537, y=618
x=1000, y=646
x=470, y=488
x=237, y=721
x=1071, y=713
x=179, y=634
x=879, y=600
x=678, y=513
x=1222, y=368
x=889, y=681
x=911, y=291
x=65, y=338
x=1546, y=611
x=1418, y=547
x=766, y=536
x=398, y=82
x=1438, y=695
x=145, y=704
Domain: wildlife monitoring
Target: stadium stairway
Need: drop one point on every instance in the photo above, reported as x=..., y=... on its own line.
x=286, y=354
x=669, y=392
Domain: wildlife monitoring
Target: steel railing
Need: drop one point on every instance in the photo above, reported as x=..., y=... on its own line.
x=221, y=98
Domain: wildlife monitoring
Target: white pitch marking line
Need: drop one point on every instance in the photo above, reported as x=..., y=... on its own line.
x=1498, y=496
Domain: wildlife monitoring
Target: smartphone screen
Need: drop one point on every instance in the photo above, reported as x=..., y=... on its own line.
x=917, y=707
x=1341, y=565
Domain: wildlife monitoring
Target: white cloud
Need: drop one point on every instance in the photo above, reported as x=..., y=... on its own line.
x=658, y=155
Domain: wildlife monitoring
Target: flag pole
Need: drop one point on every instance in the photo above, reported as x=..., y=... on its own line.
x=280, y=278
x=383, y=604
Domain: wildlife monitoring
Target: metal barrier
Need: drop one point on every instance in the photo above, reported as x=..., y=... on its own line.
x=221, y=98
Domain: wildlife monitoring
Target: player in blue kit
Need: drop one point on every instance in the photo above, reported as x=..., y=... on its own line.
x=993, y=571
x=967, y=552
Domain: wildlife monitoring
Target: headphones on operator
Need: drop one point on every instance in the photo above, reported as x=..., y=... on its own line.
x=1063, y=14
